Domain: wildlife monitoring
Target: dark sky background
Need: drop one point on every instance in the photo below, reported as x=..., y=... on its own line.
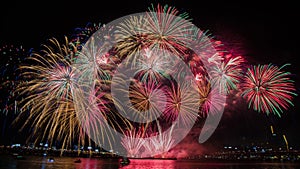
x=262, y=33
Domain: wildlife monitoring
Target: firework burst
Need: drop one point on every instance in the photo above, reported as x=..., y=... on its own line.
x=147, y=99
x=168, y=29
x=49, y=89
x=228, y=74
x=181, y=102
x=93, y=61
x=211, y=100
x=153, y=66
x=268, y=89
x=162, y=28
x=131, y=38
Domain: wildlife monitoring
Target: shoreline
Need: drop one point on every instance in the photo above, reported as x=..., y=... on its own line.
x=14, y=152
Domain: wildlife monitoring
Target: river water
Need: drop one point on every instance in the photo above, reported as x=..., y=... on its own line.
x=33, y=162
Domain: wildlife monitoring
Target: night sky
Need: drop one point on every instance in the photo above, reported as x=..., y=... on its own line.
x=262, y=33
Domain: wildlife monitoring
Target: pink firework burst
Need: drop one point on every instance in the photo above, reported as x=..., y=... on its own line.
x=227, y=75
x=211, y=100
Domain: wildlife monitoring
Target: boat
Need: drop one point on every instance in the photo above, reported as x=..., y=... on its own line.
x=77, y=161
x=15, y=154
x=51, y=160
x=20, y=157
x=124, y=161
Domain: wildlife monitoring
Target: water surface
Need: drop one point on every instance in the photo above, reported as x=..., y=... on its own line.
x=33, y=162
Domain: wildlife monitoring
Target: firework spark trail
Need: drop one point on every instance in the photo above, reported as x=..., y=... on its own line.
x=95, y=113
x=147, y=99
x=215, y=59
x=81, y=35
x=211, y=99
x=132, y=142
x=164, y=142
x=268, y=89
x=228, y=74
x=131, y=38
x=89, y=60
x=168, y=29
x=181, y=99
x=93, y=101
x=11, y=58
x=205, y=47
x=152, y=66
x=49, y=95
x=163, y=28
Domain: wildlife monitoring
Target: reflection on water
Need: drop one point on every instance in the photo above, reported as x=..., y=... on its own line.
x=8, y=162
